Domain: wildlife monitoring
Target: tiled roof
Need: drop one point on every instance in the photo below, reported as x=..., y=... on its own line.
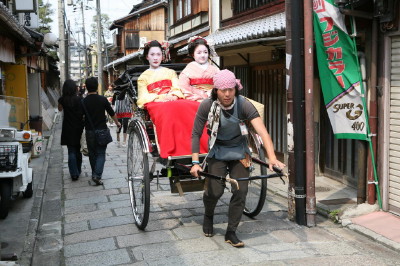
x=7, y=18
x=123, y=59
x=255, y=29
x=174, y=40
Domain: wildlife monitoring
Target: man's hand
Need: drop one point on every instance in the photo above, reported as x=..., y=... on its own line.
x=276, y=163
x=195, y=169
x=118, y=124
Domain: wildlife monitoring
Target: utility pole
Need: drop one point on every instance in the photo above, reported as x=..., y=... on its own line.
x=84, y=42
x=61, y=29
x=99, y=48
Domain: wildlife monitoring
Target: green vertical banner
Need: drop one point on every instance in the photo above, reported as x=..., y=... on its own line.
x=339, y=72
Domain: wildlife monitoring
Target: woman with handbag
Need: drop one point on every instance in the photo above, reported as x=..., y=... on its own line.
x=72, y=126
x=226, y=111
x=97, y=132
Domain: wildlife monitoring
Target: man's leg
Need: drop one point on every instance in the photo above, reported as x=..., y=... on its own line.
x=237, y=203
x=215, y=189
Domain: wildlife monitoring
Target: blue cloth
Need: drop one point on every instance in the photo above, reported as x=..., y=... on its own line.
x=74, y=160
x=97, y=154
x=230, y=143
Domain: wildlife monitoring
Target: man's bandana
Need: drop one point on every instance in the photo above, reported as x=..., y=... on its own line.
x=225, y=79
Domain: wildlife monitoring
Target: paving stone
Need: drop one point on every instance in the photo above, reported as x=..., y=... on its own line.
x=82, y=182
x=337, y=260
x=176, y=248
x=113, y=257
x=77, y=209
x=188, y=205
x=162, y=224
x=330, y=248
x=83, y=201
x=96, y=234
x=265, y=226
x=304, y=234
x=76, y=217
x=169, y=214
x=88, y=194
x=120, y=183
x=198, y=220
x=89, y=247
x=218, y=257
x=143, y=238
x=111, y=221
x=184, y=232
x=114, y=204
x=258, y=238
x=124, y=211
x=120, y=197
x=70, y=228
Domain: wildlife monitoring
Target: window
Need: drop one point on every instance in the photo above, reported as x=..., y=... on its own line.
x=132, y=40
x=183, y=8
x=240, y=6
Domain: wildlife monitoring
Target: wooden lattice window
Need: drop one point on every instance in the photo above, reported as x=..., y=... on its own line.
x=132, y=40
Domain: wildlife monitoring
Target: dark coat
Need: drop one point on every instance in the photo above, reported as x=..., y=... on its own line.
x=72, y=126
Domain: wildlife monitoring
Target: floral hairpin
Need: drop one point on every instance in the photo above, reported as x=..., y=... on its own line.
x=165, y=48
x=194, y=38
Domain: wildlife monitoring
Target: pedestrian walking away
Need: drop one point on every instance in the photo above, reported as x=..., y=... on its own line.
x=123, y=111
x=226, y=113
x=95, y=107
x=72, y=126
x=109, y=93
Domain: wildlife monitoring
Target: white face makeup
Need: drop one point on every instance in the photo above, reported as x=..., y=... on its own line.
x=201, y=54
x=154, y=57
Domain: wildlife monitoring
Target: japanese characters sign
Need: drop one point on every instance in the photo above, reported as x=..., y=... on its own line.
x=339, y=72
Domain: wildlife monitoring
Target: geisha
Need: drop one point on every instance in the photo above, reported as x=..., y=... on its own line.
x=157, y=84
x=172, y=116
x=196, y=80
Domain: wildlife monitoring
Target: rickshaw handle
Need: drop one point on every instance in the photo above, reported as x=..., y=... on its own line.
x=231, y=180
x=205, y=174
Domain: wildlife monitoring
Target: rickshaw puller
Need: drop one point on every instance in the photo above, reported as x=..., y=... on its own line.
x=226, y=112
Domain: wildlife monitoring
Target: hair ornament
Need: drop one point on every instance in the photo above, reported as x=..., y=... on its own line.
x=165, y=49
x=194, y=38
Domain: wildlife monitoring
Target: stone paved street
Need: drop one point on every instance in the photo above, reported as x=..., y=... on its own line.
x=96, y=227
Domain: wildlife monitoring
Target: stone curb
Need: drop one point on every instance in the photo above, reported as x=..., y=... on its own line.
x=33, y=227
x=323, y=211
x=377, y=237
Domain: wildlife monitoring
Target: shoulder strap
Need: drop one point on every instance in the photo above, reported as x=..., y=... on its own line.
x=87, y=114
x=240, y=102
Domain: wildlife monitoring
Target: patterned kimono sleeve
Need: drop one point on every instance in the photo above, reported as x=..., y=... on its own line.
x=190, y=92
x=175, y=89
x=143, y=94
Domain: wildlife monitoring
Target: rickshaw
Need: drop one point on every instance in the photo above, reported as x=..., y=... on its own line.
x=143, y=157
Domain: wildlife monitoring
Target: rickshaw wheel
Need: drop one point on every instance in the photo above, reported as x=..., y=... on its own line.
x=257, y=189
x=138, y=179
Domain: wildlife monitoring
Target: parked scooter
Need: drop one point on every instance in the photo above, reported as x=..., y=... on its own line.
x=15, y=147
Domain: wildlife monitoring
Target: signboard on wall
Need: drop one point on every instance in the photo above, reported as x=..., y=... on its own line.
x=16, y=85
x=25, y=6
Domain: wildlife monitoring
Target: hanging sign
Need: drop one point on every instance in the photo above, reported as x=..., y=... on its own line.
x=339, y=72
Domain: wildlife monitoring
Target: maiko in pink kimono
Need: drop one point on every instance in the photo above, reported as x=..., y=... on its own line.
x=196, y=80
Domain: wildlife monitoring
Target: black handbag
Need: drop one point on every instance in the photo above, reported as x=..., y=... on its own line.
x=102, y=136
